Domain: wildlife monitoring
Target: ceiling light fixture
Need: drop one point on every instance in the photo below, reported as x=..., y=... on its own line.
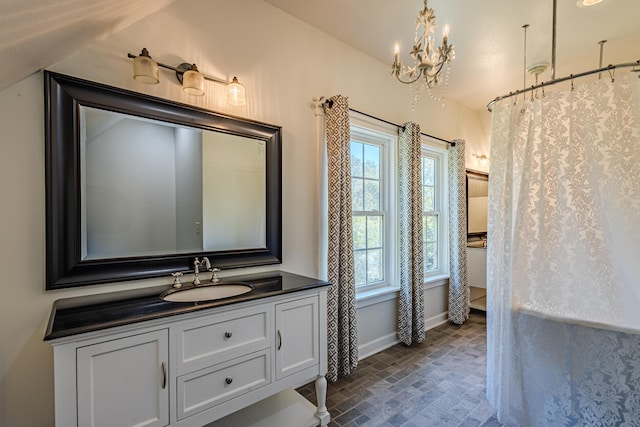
x=429, y=61
x=145, y=70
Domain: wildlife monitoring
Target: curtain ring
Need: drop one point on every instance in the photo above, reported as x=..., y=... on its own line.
x=572, y=83
x=532, y=89
x=543, y=94
x=612, y=75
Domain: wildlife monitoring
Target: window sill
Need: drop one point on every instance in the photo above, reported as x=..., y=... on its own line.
x=367, y=297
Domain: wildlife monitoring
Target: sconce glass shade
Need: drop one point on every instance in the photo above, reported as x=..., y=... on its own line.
x=235, y=93
x=193, y=81
x=145, y=69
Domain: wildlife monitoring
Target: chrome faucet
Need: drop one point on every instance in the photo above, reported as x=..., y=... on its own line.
x=196, y=271
x=207, y=265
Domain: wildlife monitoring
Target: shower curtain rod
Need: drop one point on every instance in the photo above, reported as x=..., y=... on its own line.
x=329, y=103
x=608, y=68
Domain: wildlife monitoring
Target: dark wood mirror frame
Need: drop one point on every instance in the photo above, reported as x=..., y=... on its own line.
x=482, y=176
x=64, y=265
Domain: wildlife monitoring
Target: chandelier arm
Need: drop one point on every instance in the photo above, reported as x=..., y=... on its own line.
x=408, y=82
x=438, y=67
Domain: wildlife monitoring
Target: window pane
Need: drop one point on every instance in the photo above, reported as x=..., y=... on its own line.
x=357, y=194
x=428, y=171
x=371, y=195
x=360, y=267
x=371, y=161
x=431, y=257
x=374, y=266
x=428, y=203
x=359, y=232
x=356, y=159
x=431, y=229
x=374, y=231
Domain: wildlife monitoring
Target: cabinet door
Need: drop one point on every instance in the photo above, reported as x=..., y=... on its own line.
x=124, y=382
x=297, y=338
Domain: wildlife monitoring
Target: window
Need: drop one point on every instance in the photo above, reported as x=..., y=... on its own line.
x=434, y=203
x=373, y=150
x=368, y=217
x=372, y=205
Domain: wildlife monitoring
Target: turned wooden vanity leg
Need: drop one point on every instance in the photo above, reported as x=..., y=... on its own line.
x=321, y=400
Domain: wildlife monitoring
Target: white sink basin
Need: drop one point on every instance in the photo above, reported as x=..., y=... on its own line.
x=208, y=292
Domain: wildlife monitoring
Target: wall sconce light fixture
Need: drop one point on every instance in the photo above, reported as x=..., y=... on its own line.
x=145, y=70
x=484, y=160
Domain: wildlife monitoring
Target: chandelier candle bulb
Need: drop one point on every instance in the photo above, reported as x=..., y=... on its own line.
x=445, y=33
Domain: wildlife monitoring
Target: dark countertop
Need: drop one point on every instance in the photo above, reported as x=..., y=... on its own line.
x=72, y=316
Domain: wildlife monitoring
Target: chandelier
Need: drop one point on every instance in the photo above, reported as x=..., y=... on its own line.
x=429, y=61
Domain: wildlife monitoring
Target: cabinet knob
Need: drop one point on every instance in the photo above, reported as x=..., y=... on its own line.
x=228, y=381
x=228, y=334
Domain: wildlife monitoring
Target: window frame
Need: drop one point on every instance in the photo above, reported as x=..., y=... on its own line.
x=437, y=150
x=368, y=130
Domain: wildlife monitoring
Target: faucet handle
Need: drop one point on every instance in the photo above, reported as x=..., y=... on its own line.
x=214, y=275
x=176, y=279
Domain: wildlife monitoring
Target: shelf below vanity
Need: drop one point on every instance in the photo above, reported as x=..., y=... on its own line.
x=131, y=358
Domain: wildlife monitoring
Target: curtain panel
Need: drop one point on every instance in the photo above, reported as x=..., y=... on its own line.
x=411, y=324
x=458, y=286
x=341, y=305
x=563, y=325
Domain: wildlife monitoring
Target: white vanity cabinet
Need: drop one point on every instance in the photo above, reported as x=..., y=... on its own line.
x=232, y=365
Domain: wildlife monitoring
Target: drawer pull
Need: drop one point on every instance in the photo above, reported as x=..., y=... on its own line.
x=228, y=334
x=279, y=340
x=228, y=381
x=163, y=383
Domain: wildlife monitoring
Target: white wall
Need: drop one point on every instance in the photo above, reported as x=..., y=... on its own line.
x=283, y=63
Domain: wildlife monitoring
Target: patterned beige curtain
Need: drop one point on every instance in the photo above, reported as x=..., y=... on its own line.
x=411, y=326
x=341, y=305
x=458, y=287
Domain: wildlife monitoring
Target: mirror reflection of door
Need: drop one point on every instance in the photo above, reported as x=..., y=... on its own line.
x=477, y=197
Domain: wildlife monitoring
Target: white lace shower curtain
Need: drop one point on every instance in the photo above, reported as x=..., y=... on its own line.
x=563, y=315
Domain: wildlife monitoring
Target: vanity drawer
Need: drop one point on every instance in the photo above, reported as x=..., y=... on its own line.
x=217, y=338
x=209, y=387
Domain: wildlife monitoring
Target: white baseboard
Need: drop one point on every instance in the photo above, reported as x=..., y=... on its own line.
x=377, y=345
x=435, y=321
x=384, y=342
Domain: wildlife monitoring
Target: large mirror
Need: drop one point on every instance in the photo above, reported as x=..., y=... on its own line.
x=139, y=186
x=477, y=207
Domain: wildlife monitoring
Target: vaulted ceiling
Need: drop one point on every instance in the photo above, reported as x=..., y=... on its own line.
x=37, y=33
x=487, y=34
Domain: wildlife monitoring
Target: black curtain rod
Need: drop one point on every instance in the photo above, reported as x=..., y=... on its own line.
x=329, y=103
